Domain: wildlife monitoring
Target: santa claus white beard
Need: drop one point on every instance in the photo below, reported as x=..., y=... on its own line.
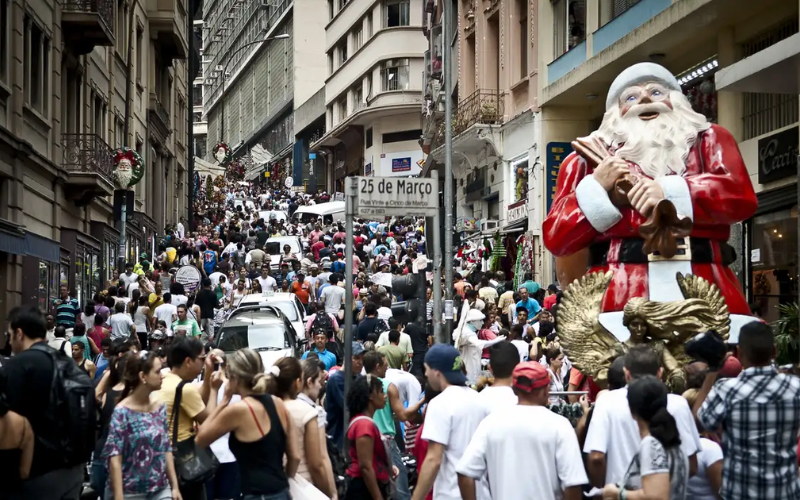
x=658, y=146
x=124, y=178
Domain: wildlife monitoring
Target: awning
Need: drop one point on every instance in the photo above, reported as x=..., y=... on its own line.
x=43, y=248
x=515, y=227
x=12, y=242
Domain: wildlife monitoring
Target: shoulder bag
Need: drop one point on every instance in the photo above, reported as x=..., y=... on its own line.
x=193, y=464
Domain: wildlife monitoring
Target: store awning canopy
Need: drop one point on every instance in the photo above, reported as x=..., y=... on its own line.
x=12, y=242
x=515, y=227
x=43, y=248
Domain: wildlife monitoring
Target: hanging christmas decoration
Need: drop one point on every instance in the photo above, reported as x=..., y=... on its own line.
x=128, y=167
x=222, y=153
x=498, y=253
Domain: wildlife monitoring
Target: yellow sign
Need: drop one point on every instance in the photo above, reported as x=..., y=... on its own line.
x=266, y=174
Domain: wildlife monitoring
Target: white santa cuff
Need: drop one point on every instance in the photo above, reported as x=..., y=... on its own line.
x=676, y=190
x=595, y=204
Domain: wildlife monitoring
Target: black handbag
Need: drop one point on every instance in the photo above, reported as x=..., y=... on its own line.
x=193, y=464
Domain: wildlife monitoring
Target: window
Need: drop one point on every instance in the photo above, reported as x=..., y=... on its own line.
x=342, y=3
x=358, y=37
x=330, y=63
x=197, y=95
x=774, y=266
x=200, y=146
x=342, y=52
x=119, y=132
x=37, y=70
x=139, y=54
x=197, y=116
x=122, y=29
x=522, y=12
x=99, y=116
x=341, y=107
x=569, y=17
x=406, y=135
x=4, y=40
x=330, y=9
x=369, y=25
x=397, y=13
x=368, y=139
x=358, y=97
x=394, y=74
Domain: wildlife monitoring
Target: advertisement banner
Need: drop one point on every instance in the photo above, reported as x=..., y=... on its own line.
x=555, y=154
x=401, y=164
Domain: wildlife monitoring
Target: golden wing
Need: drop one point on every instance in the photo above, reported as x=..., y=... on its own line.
x=695, y=287
x=582, y=337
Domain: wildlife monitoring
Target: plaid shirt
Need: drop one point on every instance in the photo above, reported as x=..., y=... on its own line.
x=759, y=412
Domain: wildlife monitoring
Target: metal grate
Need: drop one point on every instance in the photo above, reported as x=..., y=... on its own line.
x=621, y=6
x=770, y=37
x=87, y=154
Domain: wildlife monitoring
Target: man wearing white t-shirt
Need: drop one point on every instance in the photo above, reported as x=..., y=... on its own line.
x=166, y=312
x=267, y=282
x=506, y=439
x=503, y=358
x=613, y=436
x=451, y=420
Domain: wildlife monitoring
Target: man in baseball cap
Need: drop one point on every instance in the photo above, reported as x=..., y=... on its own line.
x=505, y=438
x=450, y=421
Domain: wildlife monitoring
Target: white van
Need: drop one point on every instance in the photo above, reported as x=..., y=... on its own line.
x=329, y=212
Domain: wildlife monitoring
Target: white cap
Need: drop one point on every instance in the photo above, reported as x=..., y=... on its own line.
x=475, y=315
x=640, y=73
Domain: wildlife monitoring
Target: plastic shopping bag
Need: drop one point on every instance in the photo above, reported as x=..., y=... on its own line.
x=300, y=489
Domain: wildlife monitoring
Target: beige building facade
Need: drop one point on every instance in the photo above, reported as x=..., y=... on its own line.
x=496, y=126
x=63, y=87
x=737, y=62
x=373, y=90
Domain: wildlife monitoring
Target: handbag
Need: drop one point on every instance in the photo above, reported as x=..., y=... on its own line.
x=193, y=464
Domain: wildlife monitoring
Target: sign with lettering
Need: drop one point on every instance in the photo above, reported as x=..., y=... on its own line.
x=401, y=164
x=387, y=196
x=189, y=277
x=556, y=152
x=516, y=212
x=777, y=156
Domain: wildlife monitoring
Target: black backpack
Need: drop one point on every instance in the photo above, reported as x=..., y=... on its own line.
x=72, y=408
x=322, y=323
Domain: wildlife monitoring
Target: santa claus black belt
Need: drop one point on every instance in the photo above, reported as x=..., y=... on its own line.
x=630, y=251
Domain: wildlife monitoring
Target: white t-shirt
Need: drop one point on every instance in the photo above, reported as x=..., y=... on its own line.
x=220, y=446
x=613, y=431
x=384, y=313
x=699, y=488
x=268, y=284
x=179, y=299
x=214, y=277
x=408, y=387
x=334, y=298
x=505, y=440
x=164, y=313
x=120, y=324
x=131, y=288
x=523, y=349
x=496, y=398
x=451, y=420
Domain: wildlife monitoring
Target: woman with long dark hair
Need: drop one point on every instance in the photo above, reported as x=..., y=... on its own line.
x=660, y=469
x=138, y=449
x=16, y=446
x=370, y=466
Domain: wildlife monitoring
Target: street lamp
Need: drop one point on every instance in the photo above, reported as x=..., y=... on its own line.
x=282, y=36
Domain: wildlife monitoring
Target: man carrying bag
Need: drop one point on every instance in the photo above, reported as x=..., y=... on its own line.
x=188, y=405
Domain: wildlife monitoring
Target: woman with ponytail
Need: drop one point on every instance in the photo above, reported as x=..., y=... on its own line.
x=260, y=428
x=138, y=449
x=660, y=469
x=16, y=447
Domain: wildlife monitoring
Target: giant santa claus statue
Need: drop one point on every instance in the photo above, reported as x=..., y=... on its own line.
x=666, y=151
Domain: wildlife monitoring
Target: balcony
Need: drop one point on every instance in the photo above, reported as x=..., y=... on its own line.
x=87, y=24
x=158, y=117
x=167, y=20
x=89, y=166
x=483, y=108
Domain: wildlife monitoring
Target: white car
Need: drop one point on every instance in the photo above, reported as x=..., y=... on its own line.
x=274, y=248
x=264, y=329
x=270, y=215
x=289, y=305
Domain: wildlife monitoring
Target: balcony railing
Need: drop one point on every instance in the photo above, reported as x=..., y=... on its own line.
x=104, y=8
x=87, y=154
x=483, y=107
x=160, y=111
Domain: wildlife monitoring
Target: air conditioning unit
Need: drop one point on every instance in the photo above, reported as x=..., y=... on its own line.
x=216, y=38
x=219, y=68
x=489, y=224
x=440, y=102
x=265, y=4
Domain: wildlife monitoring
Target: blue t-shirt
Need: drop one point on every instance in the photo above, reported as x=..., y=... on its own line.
x=531, y=305
x=325, y=356
x=209, y=261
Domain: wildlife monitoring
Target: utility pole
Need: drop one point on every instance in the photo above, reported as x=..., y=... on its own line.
x=448, y=158
x=191, y=72
x=123, y=217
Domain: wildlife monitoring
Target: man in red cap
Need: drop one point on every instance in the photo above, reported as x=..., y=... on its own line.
x=506, y=439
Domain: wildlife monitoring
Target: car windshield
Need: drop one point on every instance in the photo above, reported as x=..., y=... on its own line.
x=275, y=247
x=257, y=330
x=287, y=308
x=305, y=217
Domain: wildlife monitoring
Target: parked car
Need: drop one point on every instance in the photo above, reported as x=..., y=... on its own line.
x=270, y=215
x=289, y=305
x=263, y=328
x=275, y=245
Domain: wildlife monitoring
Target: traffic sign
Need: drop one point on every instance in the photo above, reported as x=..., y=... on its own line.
x=189, y=277
x=387, y=196
x=289, y=182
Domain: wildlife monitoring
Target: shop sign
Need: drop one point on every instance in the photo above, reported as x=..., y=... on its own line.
x=338, y=196
x=189, y=277
x=777, y=156
x=556, y=152
x=401, y=164
x=463, y=224
x=516, y=212
x=386, y=196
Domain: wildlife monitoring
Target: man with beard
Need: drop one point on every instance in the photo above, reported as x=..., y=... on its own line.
x=672, y=153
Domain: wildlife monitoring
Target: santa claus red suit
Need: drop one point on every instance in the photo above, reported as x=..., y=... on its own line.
x=697, y=166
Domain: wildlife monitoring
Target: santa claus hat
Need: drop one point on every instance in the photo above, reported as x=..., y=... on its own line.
x=640, y=73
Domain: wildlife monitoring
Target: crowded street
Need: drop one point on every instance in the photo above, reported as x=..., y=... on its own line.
x=565, y=271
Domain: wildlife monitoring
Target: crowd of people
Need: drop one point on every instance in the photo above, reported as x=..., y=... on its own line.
x=171, y=416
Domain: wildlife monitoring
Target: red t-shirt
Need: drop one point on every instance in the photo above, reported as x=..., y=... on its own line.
x=366, y=427
x=584, y=383
x=420, y=450
x=550, y=301
x=316, y=247
x=97, y=334
x=301, y=290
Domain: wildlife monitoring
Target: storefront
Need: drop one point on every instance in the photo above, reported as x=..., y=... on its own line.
x=84, y=277
x=109, y=240
x=149, y=231
x=42, y=271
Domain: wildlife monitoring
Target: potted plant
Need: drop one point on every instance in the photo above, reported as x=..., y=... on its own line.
x=488, y=112
x=786, y=335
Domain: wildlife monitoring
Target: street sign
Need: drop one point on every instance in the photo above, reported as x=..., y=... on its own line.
x=338, y=196
x=289, y=182
x=387, y=196
x=189, y=277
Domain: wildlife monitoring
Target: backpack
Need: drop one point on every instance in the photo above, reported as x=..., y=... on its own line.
x=73, y=409
x=380, y=327
x=322, y=323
